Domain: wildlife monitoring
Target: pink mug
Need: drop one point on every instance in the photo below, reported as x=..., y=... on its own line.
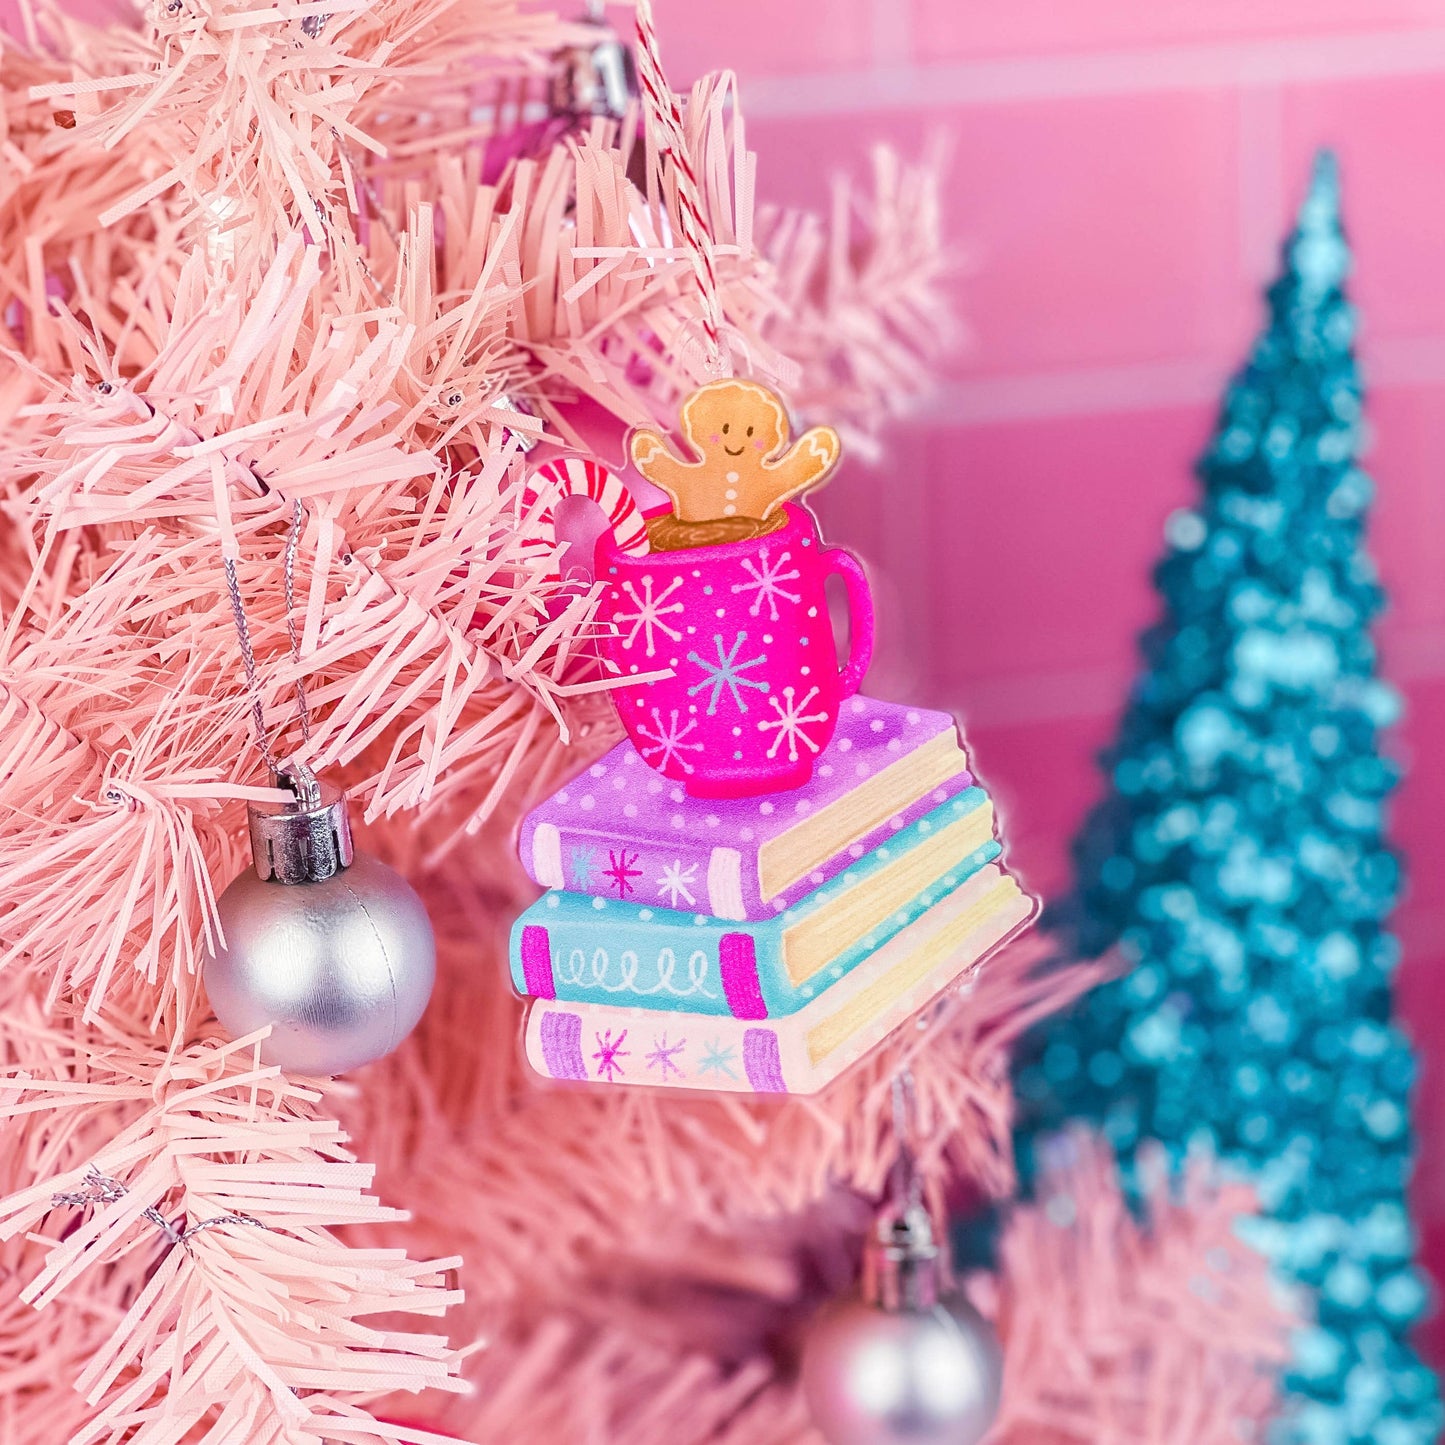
x=741, y=632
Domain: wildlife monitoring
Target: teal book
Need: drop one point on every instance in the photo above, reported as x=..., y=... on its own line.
x=577, y=948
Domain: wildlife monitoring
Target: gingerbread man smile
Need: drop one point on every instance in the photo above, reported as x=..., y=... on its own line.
x=745, y=466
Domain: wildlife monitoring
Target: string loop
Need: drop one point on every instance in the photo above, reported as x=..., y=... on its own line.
x=293, y=637
x=102, y=1189
x=907, y=1182
x=668, y=139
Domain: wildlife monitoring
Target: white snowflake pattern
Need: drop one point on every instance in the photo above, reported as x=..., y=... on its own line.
x=767, y=583
x=667, y=742
x=790, y=723
x=650, y=612
x=678, y=882
x=727, y=673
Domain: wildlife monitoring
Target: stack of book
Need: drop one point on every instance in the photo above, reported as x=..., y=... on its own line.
x=758, y=945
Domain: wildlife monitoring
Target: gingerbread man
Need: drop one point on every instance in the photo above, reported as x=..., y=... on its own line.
x=746, y=467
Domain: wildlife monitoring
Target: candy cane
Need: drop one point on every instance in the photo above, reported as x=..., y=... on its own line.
x=579, y=477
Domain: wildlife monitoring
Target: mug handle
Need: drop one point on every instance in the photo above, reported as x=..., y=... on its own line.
x=843, y=563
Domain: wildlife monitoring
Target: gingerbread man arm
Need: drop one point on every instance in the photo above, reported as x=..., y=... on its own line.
x=807, y=463
x=652, y=456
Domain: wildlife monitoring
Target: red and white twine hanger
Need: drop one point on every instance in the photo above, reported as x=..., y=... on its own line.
x=663, y=120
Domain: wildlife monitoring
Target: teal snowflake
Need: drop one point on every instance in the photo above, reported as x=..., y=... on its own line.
x=717, y=1058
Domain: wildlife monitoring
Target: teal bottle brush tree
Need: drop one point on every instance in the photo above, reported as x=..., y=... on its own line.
x=1240, y=868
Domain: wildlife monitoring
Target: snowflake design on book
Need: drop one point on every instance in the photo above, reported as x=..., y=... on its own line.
x=584, y=868
x=609, y=1051
x=717, y=1058
x=650, y=612
x=727, y=673
x=622, y=872
x=791, y=722
x=663, y=1055
x=767, y=583
x=678, y=882
x=667, y=741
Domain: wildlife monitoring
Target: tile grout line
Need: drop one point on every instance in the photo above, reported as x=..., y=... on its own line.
x=1220, y=65
x=1414, y=654
x=1146, y=386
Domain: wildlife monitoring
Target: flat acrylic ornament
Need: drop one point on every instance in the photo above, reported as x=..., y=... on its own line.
x=773, y=872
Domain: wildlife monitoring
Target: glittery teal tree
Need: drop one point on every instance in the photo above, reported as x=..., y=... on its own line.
x=1239, y=866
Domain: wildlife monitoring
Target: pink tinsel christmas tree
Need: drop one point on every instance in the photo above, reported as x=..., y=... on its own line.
x=258, y=264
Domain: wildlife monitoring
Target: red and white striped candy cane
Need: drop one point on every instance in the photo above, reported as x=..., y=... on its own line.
x=580, y=477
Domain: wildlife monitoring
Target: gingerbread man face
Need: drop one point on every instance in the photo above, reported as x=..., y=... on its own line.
x=745, y=467
x=734, y=424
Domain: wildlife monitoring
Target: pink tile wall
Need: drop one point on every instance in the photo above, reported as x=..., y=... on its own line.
x=1037, y=195
x=1120, y=177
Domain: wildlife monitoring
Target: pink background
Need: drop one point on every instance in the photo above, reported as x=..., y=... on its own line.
x=1122, y=172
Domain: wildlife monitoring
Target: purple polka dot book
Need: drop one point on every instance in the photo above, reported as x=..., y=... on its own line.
x=758, y=944
x=745, y=858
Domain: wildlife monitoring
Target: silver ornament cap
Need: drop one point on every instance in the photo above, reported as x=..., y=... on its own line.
x=526, y=442
x=306, y=839
x=330, y=947
x=598, y=77
x=907, y=1360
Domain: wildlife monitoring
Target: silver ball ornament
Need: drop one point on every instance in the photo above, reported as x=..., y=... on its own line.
x=908, y=1360
x=330, y=947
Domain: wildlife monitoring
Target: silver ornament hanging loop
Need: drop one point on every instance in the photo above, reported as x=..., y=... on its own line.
x=306, y=840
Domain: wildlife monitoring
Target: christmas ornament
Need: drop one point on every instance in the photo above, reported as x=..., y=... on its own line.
x=330, y=947
x=844, y=855
x=907, y=1359
x=593, y=77
x=525, y=440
